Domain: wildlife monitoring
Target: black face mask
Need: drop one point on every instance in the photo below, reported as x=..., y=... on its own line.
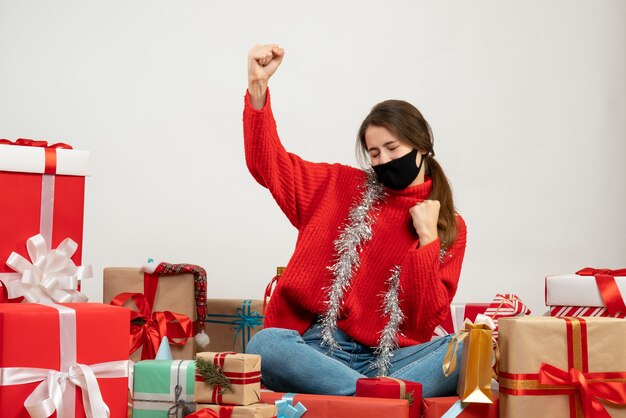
x=399, y=173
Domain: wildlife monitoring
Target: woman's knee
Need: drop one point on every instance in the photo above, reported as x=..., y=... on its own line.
x=270, y=341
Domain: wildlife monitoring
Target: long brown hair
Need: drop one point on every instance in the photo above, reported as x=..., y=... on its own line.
x=407, y=123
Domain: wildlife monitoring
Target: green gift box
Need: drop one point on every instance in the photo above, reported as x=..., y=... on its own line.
x=163, y=388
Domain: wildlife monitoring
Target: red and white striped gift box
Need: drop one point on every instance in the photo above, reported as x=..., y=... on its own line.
x=560, y=311
x=505, y=305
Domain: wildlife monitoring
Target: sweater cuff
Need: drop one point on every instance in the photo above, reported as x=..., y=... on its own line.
x=250, y=108
x=424, y=258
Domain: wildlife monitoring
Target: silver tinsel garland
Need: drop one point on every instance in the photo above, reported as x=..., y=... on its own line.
x=357, y=231
x=389, y=336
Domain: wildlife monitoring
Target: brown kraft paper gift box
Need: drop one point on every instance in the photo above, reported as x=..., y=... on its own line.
x=573, y=356
x=242, y=372
x=174, y=293
x=230, y=323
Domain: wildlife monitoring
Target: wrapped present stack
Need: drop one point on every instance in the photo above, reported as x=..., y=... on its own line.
x=229, y=384
x=83, y=369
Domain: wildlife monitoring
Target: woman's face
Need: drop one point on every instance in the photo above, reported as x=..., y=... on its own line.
x=383, y=146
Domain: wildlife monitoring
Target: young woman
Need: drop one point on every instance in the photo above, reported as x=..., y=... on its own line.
x=378, y=255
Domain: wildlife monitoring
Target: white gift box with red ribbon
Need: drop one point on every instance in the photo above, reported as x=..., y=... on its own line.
x=581, y=290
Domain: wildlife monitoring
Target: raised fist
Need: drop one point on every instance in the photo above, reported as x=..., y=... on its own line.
x=263, y=60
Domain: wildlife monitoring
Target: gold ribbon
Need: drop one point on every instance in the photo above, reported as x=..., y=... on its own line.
x=402, y=386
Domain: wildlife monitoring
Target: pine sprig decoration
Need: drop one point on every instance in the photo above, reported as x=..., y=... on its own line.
x=409, y=396
x=213, y=375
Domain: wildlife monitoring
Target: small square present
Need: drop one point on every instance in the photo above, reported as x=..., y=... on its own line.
x=562, y=367
x=389, y=387
x=588, y=292
x=230, y=323
x=256, y=410
x=228, y=378
x=43, y=191
x=42, y=346
x=174, y=295
x=163, y=388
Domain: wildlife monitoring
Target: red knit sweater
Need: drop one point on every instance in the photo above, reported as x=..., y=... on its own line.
x=317, y=197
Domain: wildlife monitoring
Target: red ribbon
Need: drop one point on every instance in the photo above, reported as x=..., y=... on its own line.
x=234, y=378
x=590, y=392
x=268, y=290
x=154, y=325
x=605, y=279
x=204, y=413
x=50, y=151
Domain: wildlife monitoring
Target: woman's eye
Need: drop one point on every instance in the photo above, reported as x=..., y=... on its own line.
x=391, y=149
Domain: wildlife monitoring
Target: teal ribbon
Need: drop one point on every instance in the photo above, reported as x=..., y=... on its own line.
x=245, y=319
x=285, y=408
x=454, y=410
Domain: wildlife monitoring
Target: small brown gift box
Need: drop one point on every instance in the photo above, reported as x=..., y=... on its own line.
x=562, y=367
x=230, y=323
x=241, y=374
x=257, y=410
x=175, y=293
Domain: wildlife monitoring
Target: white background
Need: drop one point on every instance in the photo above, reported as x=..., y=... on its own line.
x=527, y=100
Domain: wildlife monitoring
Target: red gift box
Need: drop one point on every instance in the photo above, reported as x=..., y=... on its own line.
x=457, y=313
x=42, y=192
x=386, y=387
x=38, y=341
x=327, y=406
x=437, y=407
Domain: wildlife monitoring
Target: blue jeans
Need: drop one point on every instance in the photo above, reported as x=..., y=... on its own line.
x=294, y=363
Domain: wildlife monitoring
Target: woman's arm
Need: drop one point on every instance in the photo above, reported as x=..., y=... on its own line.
x=429, y=278
x=297, y=185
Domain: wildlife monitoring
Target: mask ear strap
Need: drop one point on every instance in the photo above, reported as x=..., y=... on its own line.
x=419, y=168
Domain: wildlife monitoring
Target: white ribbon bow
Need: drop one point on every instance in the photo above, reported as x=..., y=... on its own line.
x=48, y=395
x=50, y=276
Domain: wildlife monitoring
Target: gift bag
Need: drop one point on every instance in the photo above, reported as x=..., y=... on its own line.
x=476, y=363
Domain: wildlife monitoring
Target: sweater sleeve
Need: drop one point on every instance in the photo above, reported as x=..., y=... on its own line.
x=429, y=279
x=294, y=183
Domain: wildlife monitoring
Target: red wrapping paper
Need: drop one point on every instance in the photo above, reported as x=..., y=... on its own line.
x=470, y=311
x=384, y=387
x=327, y=406
x=29, y=337
x=437, y=407
x=21, y=203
